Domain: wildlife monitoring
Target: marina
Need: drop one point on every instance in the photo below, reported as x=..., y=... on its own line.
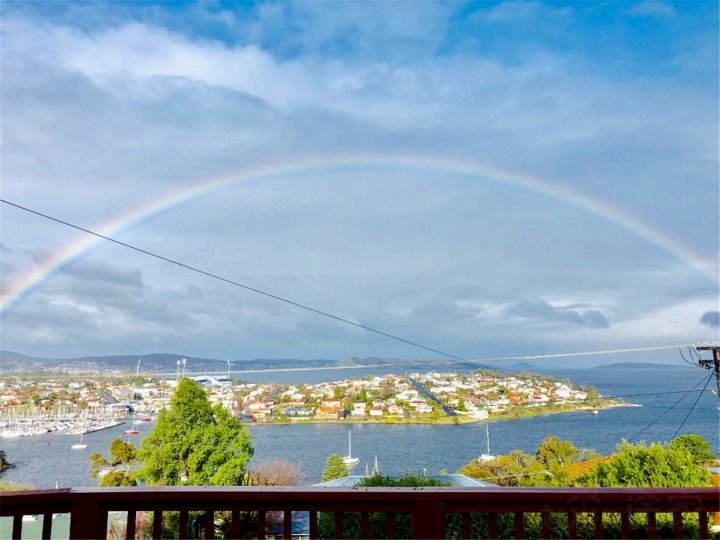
x=22, y=422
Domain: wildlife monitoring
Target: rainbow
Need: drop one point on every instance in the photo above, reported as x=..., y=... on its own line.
x=29, y=282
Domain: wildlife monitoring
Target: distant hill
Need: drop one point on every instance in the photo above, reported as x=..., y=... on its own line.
x=640, y=365
x=11, y=361
x=524, y=366
x=153, y=362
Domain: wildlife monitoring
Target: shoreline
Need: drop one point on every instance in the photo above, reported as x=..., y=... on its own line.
x=445, y=420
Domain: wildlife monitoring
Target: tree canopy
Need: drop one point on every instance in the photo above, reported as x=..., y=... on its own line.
x=194, y=443
x=656, y=465
x=123, y=457
x=676, y=464
x=334, y=468
x=698, y=447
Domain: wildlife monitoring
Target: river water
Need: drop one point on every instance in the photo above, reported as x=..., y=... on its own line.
x=45, y=461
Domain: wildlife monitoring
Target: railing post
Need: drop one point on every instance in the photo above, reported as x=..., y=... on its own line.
x=599, y=530
x=546, y=528
x=47, y=526
x=287, y=524
x=17, y=527
x=130, y=525
x=87, y=520
x=703, y=517
x=678, y=525
x=519, y=525
x=572, y=526
x=313, y=524
x=209, y=523
x=157, y=524
x=428, y=520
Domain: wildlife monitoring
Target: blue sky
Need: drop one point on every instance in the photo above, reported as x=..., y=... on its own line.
x=107, y=106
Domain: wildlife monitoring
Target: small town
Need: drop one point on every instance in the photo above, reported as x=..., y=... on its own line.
x=30, y=407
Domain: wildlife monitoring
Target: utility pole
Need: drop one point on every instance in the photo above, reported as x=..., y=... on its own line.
x=714, y=364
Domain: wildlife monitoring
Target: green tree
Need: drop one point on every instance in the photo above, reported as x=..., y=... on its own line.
x=334, y=468
x=194, y=443
x=593, y=397
x=122, y=459
x=554, y=452
x=698, y=447
x=122, y=453
x=513, y=469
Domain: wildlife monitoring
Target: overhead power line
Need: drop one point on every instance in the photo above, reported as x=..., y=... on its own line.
x=587, y=353
x=693, y=406
x=671, y=407
x=653, y=394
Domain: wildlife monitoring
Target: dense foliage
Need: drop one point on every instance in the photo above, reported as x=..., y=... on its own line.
x=656, y=465
x=334, y=468
x=406, y=480
x=547, y=467
x=117, y=472
x=677, y=464
x=195, y=443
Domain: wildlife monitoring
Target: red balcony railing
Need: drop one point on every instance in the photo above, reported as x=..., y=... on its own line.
x=423, y=512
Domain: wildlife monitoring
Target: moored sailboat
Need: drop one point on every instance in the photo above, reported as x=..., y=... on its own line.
x=349, y=459
x=81, y=445
x=132, y=430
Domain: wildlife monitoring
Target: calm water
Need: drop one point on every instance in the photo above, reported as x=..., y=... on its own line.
x=44, y=460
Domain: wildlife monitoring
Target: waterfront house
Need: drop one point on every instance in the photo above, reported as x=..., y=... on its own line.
x=327, y=413
x=358, y=409
x=394, y=409
x=299, y=412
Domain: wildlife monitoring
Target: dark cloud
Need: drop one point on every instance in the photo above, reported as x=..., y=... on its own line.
x=711, y=318
x=540, y=309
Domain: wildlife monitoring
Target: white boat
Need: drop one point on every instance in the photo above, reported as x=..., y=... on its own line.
x=132, y=430
x=488, y=456
x=595, y=411
x=349, y=460
x=80, y=445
